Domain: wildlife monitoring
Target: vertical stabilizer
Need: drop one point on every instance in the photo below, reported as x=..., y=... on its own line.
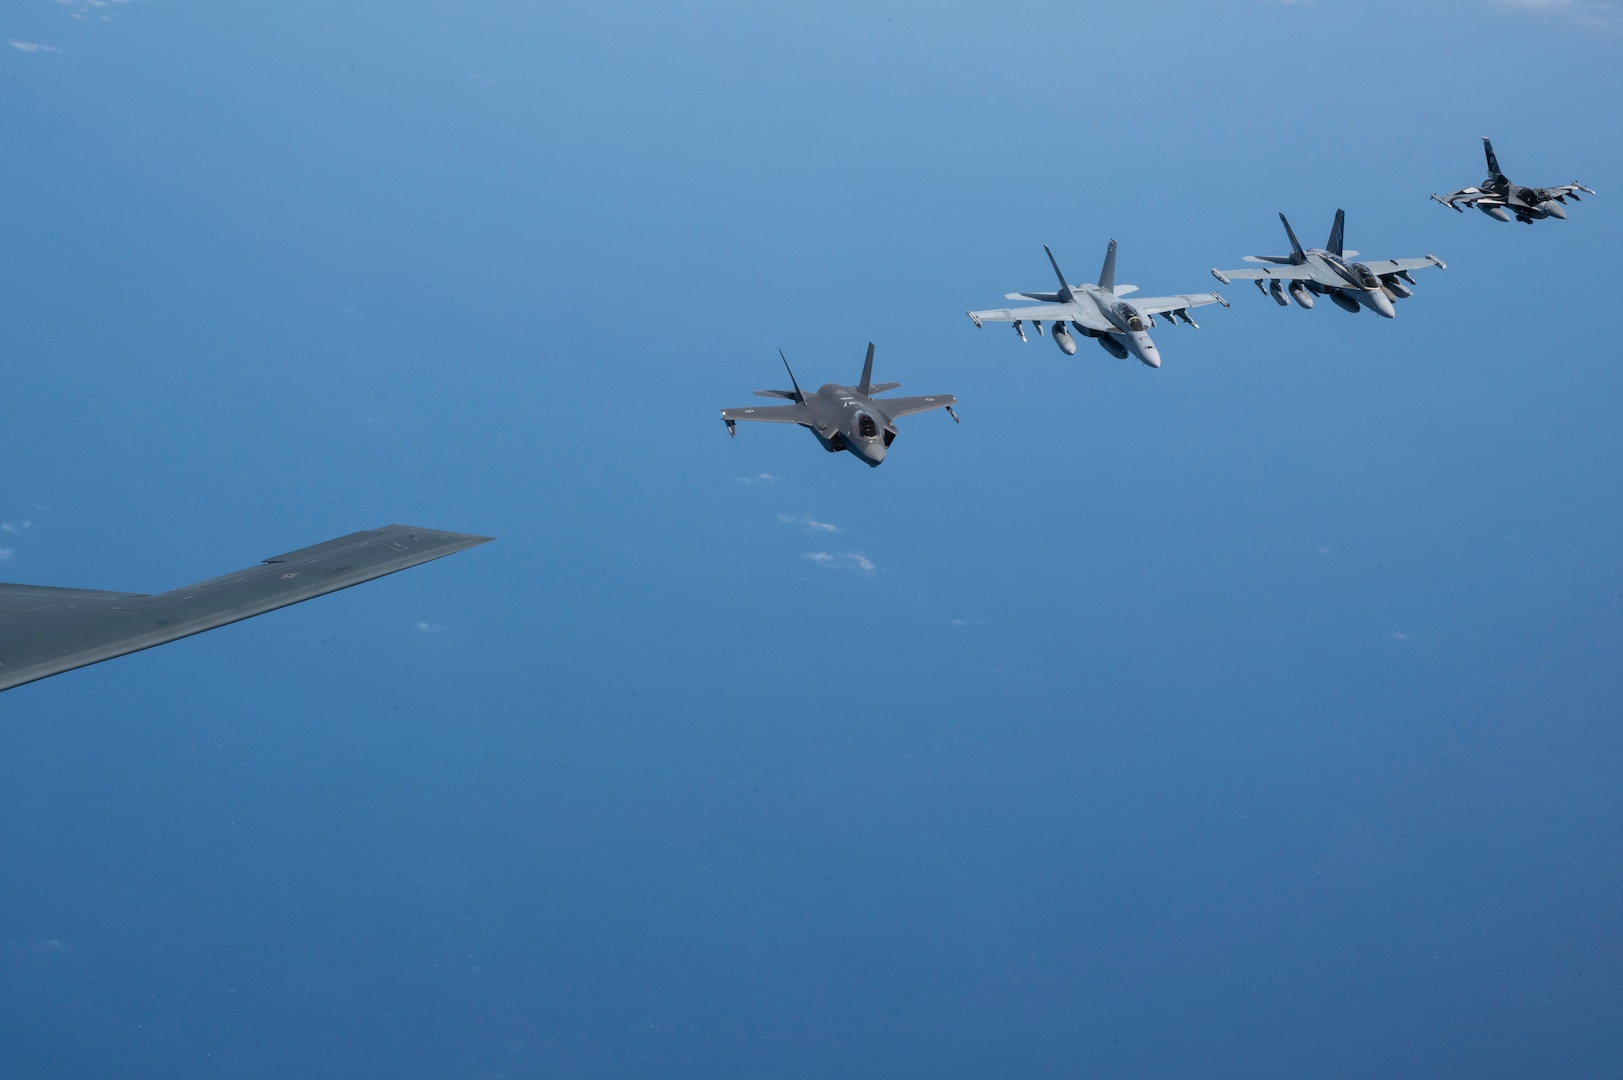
x=1493, y=162
x=1297, y=257
x=1107, y=273
x=867, y=373
x=799, y=394
x=1064, y=286
x=1334, y=245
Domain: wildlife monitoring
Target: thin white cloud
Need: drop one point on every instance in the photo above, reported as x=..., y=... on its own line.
x=847, y=560
x=811, y=523
x=1398, y=635
x=31, y=46
x=6, y=553
x=759, y=480
x=432, y=628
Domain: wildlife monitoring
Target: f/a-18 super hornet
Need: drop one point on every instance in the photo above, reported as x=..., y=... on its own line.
x=1373, y=283
x=46, y=631
x=842, y=417
x=1499, y=198
x=1098, y=311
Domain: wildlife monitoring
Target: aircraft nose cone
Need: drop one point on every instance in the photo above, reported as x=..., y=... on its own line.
x=1152, y=356
x=873, y=453
x=1554, y=209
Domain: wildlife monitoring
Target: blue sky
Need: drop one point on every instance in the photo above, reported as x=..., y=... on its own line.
x=1256, y=714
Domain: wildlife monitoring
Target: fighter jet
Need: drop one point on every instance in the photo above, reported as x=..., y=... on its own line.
x=1499, y=198
x=1325, y=271
x=842, y=417
x=1099, y=312
x=46, y=631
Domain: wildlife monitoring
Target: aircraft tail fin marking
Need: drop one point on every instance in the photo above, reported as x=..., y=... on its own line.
x=1107, y=273
x=1493, y=162
x=1334, y=244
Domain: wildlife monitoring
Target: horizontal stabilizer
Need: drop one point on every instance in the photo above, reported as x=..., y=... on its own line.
x=1040, y=297
x=881, y=387
x=789, y=394
x=1123, y=290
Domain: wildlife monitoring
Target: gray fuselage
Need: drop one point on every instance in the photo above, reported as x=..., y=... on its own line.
x=843, y=418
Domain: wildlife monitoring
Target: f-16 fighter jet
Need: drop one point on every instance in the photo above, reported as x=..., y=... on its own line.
x=1099, y=312
x=46, y=631
x=1499, y=198
x=842, y=417
x=1325, y=271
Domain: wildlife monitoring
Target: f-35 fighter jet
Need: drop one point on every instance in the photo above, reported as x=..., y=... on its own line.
x=1499, y=198
x=46, y=631
x=842, y=417
x=1373, y=283
x=1099, y=312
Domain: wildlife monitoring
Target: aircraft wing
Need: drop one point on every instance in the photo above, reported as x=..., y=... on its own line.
x=46, y=631
x=1470, y=196
x=770, y=414
x=1281, y=272
x=1392, y=266
x=1155, y=305
x=1045, y=313
x=907, y=406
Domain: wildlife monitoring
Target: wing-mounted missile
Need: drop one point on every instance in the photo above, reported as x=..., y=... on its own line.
x=1037, y=325
x=732, y=427
x=1019, y=330
x=974, y=320
x=1263, y=289
x=1395, y=286
x=1276, y=289
x=1219, y=276
x=1063, y=338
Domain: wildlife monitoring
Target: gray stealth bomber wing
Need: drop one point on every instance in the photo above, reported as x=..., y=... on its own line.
x=46, y=631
